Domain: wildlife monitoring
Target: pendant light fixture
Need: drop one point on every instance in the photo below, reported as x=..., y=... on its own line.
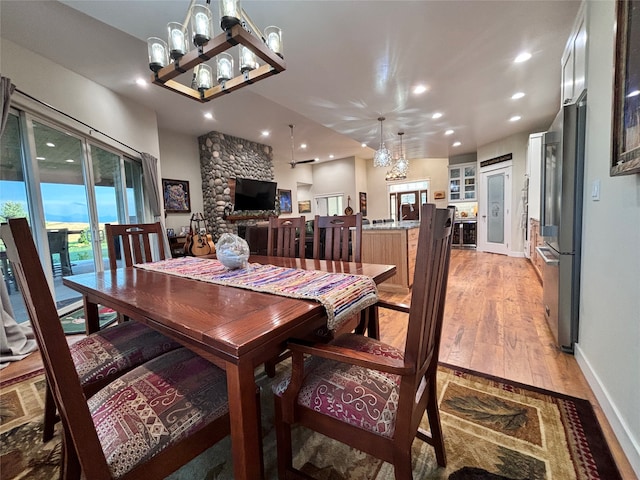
x=401, y=165
x=382, y=157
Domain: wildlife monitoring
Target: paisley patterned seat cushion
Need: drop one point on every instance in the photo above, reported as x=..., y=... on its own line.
x=365, y=398
x=114, y=350
x=152, y=406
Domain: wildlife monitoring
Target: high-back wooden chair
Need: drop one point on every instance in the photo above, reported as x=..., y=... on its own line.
x=135, y=243
x=286, y=237
x=338, y=237
x=136, y=428
x=320, y=392
x=103, y=356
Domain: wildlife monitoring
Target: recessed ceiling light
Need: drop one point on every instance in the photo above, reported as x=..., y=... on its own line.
x=457, y=144
x=363, y=145
x=418, y=89
x=436, y=115
x=331, y=156
x=141, y=81
x=518, y=95
x=70, y=160
x=522, y=57
x=449, y=132
x=515, y=118
x=316, y=159
x=265, y=133
x=40, y=158
x=49, y=144
x=635, y=93
x=303, y=145
x=208, y=115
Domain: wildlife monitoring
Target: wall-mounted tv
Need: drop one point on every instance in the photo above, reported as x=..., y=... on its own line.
x=255, y=194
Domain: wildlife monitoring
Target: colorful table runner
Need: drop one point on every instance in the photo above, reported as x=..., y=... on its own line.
x=341, y=294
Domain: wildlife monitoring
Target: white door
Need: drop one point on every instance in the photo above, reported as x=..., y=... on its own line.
x=494, y=211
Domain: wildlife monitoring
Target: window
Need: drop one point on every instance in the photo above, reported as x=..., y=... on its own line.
x=329, y=205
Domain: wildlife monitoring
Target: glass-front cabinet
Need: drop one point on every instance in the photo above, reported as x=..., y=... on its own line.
x=462, y=182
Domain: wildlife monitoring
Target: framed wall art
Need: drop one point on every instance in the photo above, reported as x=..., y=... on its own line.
x=304, y=206
x=176, y=196
x=625, y=155
x=363, y=203
x=285, y=201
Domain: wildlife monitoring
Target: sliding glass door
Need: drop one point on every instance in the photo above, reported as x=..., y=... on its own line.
x=68, y=187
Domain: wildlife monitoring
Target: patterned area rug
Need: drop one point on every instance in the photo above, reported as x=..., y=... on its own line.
x=494, y=429
x=73, y=323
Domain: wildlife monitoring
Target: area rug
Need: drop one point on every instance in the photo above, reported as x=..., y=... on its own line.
x=494, y=429
x=73, y=323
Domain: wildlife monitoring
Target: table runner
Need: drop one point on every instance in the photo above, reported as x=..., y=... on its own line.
x=343, y=295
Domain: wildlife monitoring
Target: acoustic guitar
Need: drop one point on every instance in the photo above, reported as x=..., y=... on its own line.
x=199, y=242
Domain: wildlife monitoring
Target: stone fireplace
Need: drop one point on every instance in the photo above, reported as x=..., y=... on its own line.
x=224, y=157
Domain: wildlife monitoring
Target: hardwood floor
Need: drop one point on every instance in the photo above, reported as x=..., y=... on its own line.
x=494, y=323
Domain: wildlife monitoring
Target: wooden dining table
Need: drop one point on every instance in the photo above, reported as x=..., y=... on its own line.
x=234, y=328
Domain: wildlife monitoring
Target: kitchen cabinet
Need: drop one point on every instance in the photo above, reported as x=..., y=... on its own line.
x=462, y=182
x=392, y=244
x=574, y=61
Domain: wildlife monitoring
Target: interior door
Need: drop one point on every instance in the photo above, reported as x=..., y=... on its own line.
x=408, y=205
x=494, y=227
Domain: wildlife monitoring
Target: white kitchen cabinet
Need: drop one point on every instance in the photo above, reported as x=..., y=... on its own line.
x=462, y=182
x=574, y=61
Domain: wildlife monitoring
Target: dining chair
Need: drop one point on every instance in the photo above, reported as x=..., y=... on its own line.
x=132, y=243
x=59, y=244
x=286, y=237
x=338, y=237
x=136, y=427
x=102, y=356
x=368, y=394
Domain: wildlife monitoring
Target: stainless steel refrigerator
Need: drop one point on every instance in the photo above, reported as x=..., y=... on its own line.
x=562, y=185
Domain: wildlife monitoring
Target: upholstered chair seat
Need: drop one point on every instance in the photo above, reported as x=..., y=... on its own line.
x=362, y=397
x=108, y=353
x=155, y=405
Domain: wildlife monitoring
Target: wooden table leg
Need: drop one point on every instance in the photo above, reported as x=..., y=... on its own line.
x=91, y=317
x=246, y=436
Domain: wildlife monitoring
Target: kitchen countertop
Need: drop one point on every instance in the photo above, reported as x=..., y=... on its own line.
x=406, y=225
x=465, y=219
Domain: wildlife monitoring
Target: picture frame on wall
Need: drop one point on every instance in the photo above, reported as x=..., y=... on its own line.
x=176, y=196
x=363, y=203
x=625, y=155
x=304, y=206
x=285, y=201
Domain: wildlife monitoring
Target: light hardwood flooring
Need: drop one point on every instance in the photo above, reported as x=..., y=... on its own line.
x=494, y=323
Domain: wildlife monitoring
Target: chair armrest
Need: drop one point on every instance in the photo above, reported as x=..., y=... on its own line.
x=353, y=357
x=400, y=307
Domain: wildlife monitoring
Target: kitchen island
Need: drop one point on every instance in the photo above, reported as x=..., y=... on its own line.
x=392, y=243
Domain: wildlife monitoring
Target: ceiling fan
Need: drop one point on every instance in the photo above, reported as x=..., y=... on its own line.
x=293, y=163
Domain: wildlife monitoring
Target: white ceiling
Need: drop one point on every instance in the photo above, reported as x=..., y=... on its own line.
x=348, y=62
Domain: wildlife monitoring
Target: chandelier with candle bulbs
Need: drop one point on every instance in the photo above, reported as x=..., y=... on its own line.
x=172, y=58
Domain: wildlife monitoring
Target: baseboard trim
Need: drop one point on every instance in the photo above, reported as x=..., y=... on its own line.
x=620, y=428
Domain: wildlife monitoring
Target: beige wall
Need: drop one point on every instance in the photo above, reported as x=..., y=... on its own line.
x=609, y=337
x=433, y=169
x=79, y=97
x=179, y=160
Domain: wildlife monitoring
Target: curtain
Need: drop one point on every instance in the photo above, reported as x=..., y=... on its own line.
x=151, y=184
x=16, y=340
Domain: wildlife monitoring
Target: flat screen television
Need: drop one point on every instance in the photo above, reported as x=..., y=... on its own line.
x=255, y=194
